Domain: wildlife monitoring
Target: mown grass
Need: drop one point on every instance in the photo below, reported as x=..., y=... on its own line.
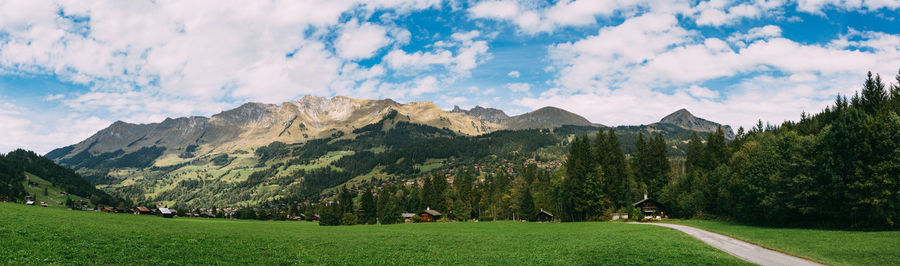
x=34, y=235
x=833, y=247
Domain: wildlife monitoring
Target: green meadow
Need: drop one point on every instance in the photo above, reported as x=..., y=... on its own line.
x=34, y=235
x=834, y=247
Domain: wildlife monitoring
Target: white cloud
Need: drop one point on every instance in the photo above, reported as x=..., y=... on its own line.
x=702, y=92
x=722, y=12
x=467, y=55
x=519, y=87
x=513, y=74
x=361, y=41
x=753, y=34
x=646, y=59
x=531, y=18
x=818, y=6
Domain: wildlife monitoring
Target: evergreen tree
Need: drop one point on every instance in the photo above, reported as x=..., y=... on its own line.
x=694, y=154
x=368, y=209
x=387, y=209
x=873, y=94
x=716, y=152
x=656, y=166
x=526, y=206
x=345, y=201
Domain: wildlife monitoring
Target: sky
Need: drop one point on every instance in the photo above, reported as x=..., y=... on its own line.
x=71, y=68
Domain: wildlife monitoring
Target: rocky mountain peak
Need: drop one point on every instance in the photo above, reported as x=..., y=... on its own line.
x=684, y=119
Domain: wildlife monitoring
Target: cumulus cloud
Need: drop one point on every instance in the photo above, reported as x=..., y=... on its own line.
x=534, y=19
x=361, y=41
x=519, y=87
x=458, y=56
x=513, y=74
x=818, y=6
x=722, y=12
x=646, y=59
x=753, y=34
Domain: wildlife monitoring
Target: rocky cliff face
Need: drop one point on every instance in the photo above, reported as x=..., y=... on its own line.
x=487, y=114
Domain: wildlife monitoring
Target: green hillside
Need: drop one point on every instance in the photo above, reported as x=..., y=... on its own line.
x=25, y=174
x=38, y=236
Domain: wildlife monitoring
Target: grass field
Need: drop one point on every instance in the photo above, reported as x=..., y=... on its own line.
x=826, y=246
x=35, y=235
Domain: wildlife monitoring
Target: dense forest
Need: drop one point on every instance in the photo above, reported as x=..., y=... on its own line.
x=839, y=169
x=12, y=175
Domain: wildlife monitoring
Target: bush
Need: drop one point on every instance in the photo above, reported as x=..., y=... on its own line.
x=416, y=218
x=348, y=219
x=635, y=214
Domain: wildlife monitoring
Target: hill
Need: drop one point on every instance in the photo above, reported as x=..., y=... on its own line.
x=547, y=117
x=24, y=174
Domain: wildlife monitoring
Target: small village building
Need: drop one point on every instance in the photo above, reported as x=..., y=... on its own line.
x=142, y=211
x=543, y=216
x=407, y=216
x=165, y=213
x=429, y=215
x=30, y=202
x=107, y=209
x=120, y=210
x=650, y=208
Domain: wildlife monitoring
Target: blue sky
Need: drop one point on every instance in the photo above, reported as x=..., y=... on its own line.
x=68, y=69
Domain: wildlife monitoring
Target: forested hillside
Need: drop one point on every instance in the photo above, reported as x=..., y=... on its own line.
x=13, y=168
x=839, y=168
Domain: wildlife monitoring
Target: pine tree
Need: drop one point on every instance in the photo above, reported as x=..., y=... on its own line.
x=873, y=94
x=716, y=152
x=345, y=201
x=658, y=166
x=695, y=154
x=368, y=210
x=526, y=206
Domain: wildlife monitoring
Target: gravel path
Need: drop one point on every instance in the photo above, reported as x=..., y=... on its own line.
x=738, y=248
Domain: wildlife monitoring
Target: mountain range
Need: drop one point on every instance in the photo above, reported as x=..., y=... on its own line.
x=154, y=160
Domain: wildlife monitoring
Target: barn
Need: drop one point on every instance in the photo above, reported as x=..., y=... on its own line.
x=429, y=215
x=165, y=213
x=142, y=211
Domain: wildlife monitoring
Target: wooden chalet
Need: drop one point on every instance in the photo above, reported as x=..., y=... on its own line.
x=543, y=216
x=142, y=211
x=429, y=215
x=165, y=213
x=650, y=208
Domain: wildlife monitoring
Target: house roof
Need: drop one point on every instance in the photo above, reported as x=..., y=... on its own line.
x=143, y=209
x=165, y=211
x=431, y=212
x=645, y=200
x=546, y=212
x=407, y=215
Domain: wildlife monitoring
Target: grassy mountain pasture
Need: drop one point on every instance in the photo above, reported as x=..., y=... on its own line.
x=35, y=235
x=833, y=247
x=53, y=197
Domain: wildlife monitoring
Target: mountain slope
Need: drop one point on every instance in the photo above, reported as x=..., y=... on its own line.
x=252, y=125
x=547, y=117
x=684, y=119
x=25, y=173
x=487, y=114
